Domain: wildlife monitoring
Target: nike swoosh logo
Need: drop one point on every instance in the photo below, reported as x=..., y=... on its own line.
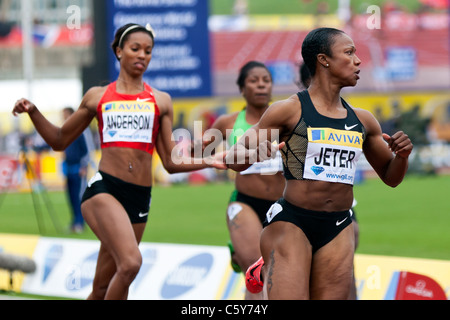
x=338, y=223
x=350, y=128
x=143, y=215
x=143, y=100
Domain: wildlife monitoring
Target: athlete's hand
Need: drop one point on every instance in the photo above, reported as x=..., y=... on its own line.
x=399, y=143
x=23, y=106
x=268, y=150
x=218, y=160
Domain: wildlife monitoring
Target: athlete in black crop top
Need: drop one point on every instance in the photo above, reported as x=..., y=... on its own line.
x=344, y=138
x=308, y=240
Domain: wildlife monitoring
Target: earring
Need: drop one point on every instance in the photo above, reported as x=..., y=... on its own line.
x=328, y=65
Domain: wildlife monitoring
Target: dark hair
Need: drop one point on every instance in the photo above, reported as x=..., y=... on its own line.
x=120, y=38
x=305, y=75
x=243, y=74
x=316, y=42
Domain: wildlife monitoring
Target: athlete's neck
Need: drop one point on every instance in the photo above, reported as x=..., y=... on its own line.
x=324, y=92
x=129, y=85
x=254, y=114
x=326, y=100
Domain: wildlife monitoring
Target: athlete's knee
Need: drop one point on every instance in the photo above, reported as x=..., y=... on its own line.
x=98, y=292
x=129, y=267
x=246, y=260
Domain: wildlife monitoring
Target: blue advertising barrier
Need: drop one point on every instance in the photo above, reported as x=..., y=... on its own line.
x=181, y=63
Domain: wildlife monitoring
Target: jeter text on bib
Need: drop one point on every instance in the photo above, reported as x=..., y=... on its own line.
x=332, y=155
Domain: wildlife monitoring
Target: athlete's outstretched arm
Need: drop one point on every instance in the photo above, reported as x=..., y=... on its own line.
x=171, y=156
x=263, y=140
x=59, y=138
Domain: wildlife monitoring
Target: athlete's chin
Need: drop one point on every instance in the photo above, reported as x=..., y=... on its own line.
x=137, y=73
x=352, y=83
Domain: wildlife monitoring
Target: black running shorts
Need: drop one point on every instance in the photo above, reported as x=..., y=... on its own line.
x=135, y=199
x=319, y=227
x=260, y=206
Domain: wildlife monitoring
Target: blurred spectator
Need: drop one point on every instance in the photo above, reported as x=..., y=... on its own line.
x=240, y=7
x=75, y=167
x=392, y=125
x=415, y=125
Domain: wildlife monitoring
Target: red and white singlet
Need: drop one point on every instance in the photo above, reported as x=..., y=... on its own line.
x=128, y=121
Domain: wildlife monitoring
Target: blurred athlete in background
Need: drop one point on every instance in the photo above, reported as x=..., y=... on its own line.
x=259, y=186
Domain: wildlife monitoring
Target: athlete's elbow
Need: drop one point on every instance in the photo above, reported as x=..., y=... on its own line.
x=172, y=169
x=58, y=146
x=170, y=166
x=238, y=167
x=393, y=183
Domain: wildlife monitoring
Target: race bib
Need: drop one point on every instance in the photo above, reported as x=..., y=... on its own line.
x=267, y=167
x=332, y=155
x=128, y=121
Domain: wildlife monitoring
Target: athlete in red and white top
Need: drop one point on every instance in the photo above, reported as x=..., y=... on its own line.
x=134, y=119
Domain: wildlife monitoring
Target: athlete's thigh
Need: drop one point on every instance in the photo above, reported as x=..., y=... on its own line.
x=332, y=267
x=245, y=229
x=243, y=224
x=109, y=221
x=287, y=256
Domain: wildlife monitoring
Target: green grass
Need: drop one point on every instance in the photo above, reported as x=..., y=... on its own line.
x=189, y=214
x=224, y=7
x=411, y=220
x=179, y=214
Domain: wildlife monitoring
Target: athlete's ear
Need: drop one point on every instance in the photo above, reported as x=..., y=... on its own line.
x=119, y=53
x=322, y=59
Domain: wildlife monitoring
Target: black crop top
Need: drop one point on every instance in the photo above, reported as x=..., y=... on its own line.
x=322, y=148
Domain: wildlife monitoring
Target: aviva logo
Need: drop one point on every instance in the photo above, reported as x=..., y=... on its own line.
x=131, y=106
x=335, y=137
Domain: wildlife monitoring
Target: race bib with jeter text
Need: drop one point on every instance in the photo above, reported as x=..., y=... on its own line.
x=332, y=155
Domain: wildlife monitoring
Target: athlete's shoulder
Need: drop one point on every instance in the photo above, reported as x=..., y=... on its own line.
x=93, y=97
x=95, y=91
x=362, y=113
x=285, y=108
x=163, y=101
x=225, y=121
x=368, y=120
x=160, y=94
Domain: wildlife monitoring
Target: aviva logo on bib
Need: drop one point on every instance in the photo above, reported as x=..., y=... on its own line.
x=336, y=137
x=129, y=106
x=332, y=155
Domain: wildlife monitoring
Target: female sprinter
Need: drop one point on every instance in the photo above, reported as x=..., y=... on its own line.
x=259, y=186
x=133, y=119
x=308, y=241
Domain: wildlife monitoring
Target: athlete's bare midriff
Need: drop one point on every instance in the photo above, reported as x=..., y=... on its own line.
x=319, y=195
x=130, y=165
x=268, y=187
